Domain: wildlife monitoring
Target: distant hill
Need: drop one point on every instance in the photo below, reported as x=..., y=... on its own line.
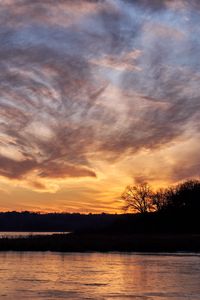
x=28, y=221
x=157, y=222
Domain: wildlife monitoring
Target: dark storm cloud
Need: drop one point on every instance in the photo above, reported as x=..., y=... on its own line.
x=57, y=64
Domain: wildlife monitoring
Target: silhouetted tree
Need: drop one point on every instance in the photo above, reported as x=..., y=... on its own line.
x=182, y=197
x=138, y=198
x=159, y=199
x=186, y=196
x=163, y=197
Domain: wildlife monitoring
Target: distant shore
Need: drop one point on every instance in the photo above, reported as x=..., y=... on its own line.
x=87, y=242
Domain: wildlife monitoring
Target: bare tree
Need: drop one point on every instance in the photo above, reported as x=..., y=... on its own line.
x=161, y=198
x=185, y=196
x=138, y=198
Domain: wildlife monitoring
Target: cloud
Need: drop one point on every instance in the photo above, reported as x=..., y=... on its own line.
x=56, y=170
x=88, y=80
x=14, y=169
x=120, y=63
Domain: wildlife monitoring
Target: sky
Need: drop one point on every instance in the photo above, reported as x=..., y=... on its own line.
x=96, y=95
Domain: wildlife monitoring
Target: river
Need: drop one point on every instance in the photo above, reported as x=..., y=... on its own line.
x=46, y=275
x=25, y=234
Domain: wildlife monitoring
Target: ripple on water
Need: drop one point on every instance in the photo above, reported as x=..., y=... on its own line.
x=38, y=276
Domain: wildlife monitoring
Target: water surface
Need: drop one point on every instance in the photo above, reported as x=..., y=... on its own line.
x=17, y=234
x=32, y=275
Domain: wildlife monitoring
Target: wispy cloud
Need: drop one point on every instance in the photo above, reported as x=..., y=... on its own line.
x=94, y=80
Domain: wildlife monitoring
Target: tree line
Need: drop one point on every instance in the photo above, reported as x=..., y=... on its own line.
x=183, y=197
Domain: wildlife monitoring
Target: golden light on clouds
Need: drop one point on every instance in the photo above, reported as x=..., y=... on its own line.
x=96, y=95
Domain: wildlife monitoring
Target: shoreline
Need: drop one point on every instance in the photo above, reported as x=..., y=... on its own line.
x=90, y=242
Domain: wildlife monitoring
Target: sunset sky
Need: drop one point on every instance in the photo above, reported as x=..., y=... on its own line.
x=95, y=95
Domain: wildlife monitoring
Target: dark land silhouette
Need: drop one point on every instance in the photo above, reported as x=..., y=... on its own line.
x=166, y=220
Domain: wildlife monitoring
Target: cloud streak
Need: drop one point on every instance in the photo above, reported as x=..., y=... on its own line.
x=87, y=80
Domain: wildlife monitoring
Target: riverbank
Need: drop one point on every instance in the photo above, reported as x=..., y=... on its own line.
x=86, y=242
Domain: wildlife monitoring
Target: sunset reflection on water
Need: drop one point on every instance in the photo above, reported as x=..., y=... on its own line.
x=98, y=276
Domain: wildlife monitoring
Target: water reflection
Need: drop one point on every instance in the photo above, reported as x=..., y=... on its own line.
x=29, y=275
x=17, y=234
